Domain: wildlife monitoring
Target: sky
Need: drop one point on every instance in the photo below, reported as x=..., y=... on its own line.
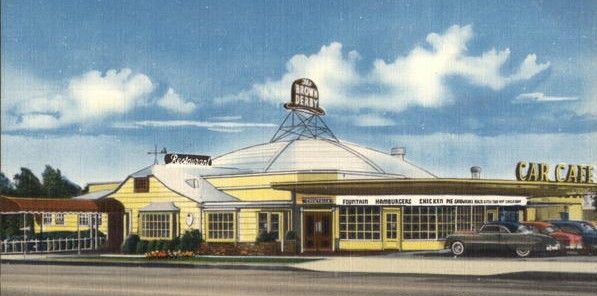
x=90, y=87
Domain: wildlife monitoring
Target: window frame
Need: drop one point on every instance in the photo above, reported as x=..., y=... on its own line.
x=156, y=225
x=220, y=226
x=47, y=219
x=360, y=223
x=59, y=218
x=141, y=185
x=282, y=229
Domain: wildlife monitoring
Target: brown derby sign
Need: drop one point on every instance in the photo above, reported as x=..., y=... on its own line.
x=187, y=159
x=304, y=96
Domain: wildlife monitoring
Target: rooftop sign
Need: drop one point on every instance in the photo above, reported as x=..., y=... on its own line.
x=187, y=159
x=568, y=173
x=304, y=96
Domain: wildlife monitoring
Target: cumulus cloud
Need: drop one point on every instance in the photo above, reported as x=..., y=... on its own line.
x=220, y=126
x=540, y=97
x=92, y=96
x=173, y=102
x=417, y=79
x=371, y=120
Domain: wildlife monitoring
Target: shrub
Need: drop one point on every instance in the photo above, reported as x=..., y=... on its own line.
x=152, y=246
x=290, y=235
x=190, y=240
x=174, y=244
x=130, y=244
x=266, y=237
x=141, y=247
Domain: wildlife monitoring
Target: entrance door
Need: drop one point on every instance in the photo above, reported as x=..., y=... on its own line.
x=114, y=231
x=317, y=229
x=391, y=229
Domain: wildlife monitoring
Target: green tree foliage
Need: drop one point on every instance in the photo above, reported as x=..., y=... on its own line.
x=6, y=186
x=55, y=185
x=27, y=184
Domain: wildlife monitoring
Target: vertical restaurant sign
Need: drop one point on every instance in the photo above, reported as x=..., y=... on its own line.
x=187, y=159
x=304, y=96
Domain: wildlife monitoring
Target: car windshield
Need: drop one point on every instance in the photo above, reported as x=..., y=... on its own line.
x=523, y=229
x=548, y=229
x=586, y=228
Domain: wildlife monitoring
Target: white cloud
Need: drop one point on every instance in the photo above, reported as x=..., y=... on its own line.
x=226, y=118
x=220, y=126
x=540, y=97
x=90, y=97
x=417, y=79
x=371, y=120
x=173, y=102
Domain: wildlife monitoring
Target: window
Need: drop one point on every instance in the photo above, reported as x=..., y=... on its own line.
x=155, y=225
x=360, y=223
x=84, y=219
x=491, y=229
x=59, y=219
x=47, y=219
x=141, y=185
x=269, y=222
x=391, y=225
x=220, y=226
x=439, y=222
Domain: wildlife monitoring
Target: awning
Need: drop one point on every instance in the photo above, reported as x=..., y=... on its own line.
x=14, y=205
x=160, y=207
x=438, y=186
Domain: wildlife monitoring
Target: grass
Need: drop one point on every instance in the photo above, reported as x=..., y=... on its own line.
x=198, y=259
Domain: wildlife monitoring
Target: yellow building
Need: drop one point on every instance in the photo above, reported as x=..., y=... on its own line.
x=327, y=195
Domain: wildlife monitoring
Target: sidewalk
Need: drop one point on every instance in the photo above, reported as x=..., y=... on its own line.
x=406, y=265
x=446, y=266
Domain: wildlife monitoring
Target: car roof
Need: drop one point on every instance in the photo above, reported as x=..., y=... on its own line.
x=512, y=226
x=537, y=223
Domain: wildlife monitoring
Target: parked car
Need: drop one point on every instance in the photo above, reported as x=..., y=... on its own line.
x=502, y=236
x=568, y=241
x=582, y=228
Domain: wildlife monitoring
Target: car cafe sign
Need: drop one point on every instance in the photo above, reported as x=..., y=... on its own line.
x=187, y=159
x=541, y=172
x=304, y=96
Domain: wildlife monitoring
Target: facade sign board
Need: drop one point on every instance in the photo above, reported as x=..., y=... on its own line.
x=430, y=200
x=187, y=159
x=541, y=172
x=317, y=200
x=304, y=96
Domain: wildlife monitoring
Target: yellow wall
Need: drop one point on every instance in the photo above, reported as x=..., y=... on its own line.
x=157, y=193
x=70, y=224
x=354, y=245
x=247, y=220
x=258, y=187
x=413, y=245
x=103, y=186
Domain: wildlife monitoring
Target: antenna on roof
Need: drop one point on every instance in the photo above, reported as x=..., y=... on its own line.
x=156, y=153
x=304, y=120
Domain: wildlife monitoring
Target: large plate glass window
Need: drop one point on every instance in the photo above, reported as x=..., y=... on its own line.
x=360, y=223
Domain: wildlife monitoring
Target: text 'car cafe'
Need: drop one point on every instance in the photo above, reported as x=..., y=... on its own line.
x=316, y=193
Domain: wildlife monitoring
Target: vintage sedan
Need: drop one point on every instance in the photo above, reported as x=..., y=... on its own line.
x=568, y=241
x=502, y=236
x=582, y=228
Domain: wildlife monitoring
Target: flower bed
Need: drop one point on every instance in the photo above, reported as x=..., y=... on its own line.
x=169, y=254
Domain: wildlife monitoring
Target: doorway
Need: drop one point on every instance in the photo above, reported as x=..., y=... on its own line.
x=317, y=229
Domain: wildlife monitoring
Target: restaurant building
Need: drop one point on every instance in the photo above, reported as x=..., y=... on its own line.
x=320, y=194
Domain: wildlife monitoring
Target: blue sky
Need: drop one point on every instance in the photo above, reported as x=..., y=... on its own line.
x=90, y=86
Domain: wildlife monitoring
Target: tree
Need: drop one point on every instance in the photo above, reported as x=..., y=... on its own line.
x=6, y=186
x=55, y=185
x=27, y=184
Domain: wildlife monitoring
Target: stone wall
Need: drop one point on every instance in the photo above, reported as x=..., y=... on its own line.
x=248, y=248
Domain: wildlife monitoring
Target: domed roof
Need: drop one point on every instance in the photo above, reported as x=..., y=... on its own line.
x=316, y=154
